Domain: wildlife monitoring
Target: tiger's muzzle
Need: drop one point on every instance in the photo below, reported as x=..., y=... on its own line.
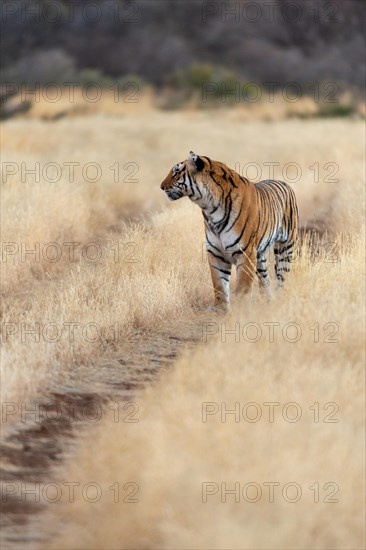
x=171, y=192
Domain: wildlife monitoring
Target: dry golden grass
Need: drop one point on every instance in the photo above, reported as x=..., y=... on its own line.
x=126, y=288
x=141, y=100
x=72, y=209
x=171, y=452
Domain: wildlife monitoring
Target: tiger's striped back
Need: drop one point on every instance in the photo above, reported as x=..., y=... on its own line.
x=278, y=209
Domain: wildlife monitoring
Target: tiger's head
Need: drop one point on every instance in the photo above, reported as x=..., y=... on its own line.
x=182, y=179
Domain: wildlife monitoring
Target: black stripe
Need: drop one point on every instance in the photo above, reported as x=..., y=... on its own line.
x=232, y=182
x=213, y=246
x=190, y=183
x=218, y=257
x=208, y=161
x=236, y=219
x=212, y=174
x=221, y=270
x=285, y=248
x=240, y=236
x=214, y=210
x=223, y=223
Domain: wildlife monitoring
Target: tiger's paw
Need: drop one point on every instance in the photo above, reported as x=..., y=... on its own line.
x=221, y=307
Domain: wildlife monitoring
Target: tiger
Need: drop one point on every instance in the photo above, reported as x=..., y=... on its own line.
x=243, y=220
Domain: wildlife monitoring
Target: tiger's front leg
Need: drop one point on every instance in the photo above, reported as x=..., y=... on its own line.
x=246, y=270
x=220, y=274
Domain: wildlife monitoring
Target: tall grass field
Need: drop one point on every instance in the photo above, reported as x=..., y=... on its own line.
x=248, y=432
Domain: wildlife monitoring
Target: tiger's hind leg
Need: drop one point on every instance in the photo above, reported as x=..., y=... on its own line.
x=262, y=272
x=283, y=254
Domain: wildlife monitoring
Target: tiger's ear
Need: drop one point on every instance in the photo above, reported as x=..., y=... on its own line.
x=197, y=161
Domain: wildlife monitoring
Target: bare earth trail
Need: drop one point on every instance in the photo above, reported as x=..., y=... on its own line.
x=32, y=450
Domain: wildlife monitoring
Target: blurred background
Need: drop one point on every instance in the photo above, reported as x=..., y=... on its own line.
x=184, y=54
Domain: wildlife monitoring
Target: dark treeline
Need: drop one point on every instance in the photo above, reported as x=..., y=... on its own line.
x=280, y=41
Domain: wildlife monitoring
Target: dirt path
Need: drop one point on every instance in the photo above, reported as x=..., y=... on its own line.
x=33, y=450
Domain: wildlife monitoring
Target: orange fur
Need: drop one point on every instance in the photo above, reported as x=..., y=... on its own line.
x=242, y=220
